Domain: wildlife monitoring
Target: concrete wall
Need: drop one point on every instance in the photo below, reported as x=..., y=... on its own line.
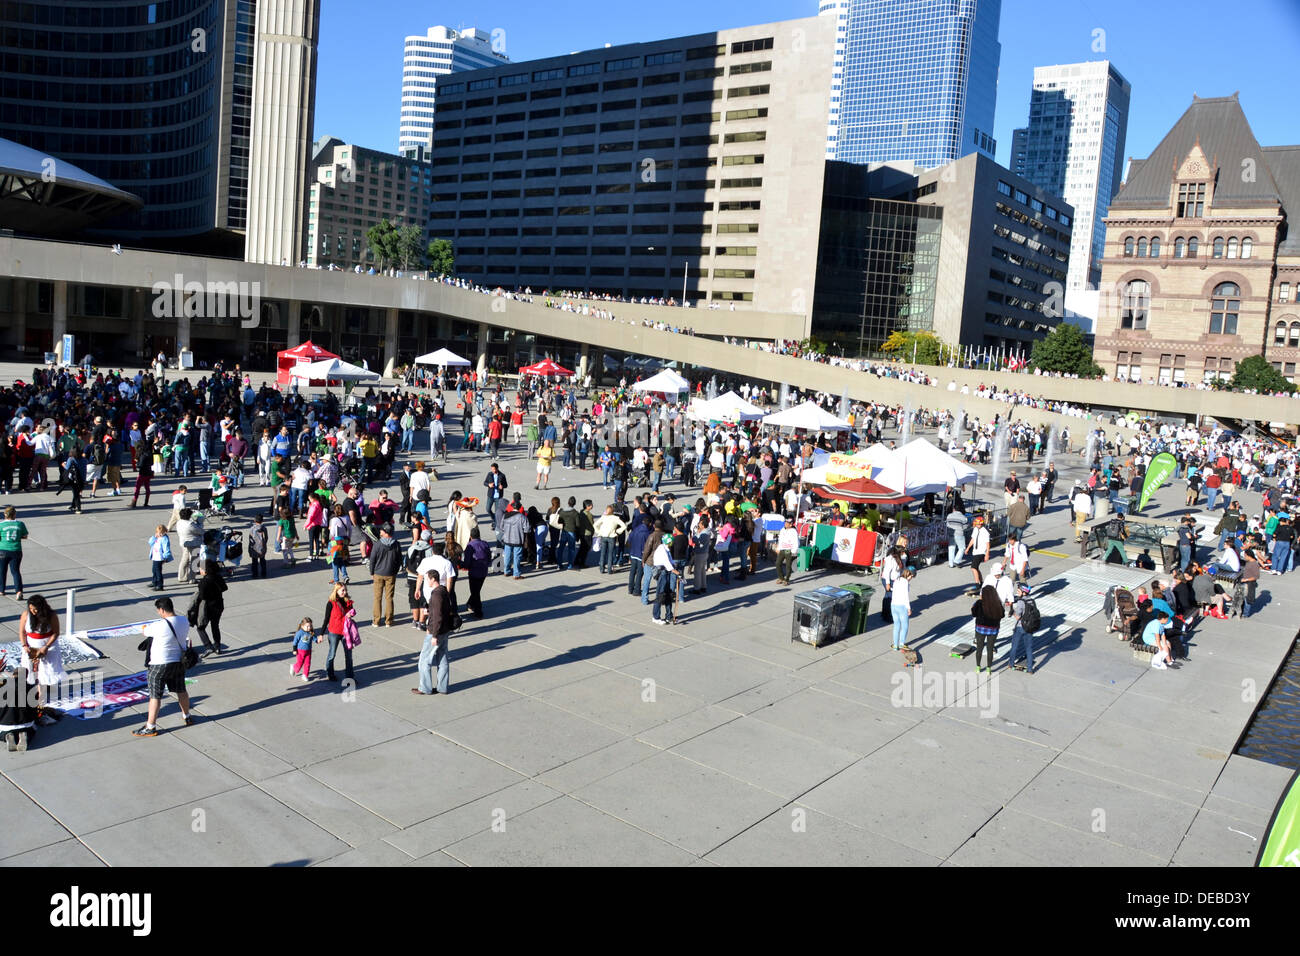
x=96, y=264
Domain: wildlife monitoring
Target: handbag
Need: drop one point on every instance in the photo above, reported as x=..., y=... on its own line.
x=189, y=656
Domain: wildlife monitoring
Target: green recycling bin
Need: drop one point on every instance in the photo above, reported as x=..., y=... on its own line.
x=803, y=561
x=861, y=598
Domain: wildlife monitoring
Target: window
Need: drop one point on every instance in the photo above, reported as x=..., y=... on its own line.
x=1180, y=247
x=1128, y=247
x=1224, y=307
x=1295, y=335
x=737, y=91
x=514, y=79
x=584, y=69
x=1284, y=292
x=762, y=67
x=1004, y=188
x=1142, y=249
x=751, y=46
x=1155, y=247
x=756, y=113
x=1192, y=245
x=658, y=59
x=1232, y=248
x=1279, y=334
x=706, y=52
x=627, y=63
x=543, y=75
x=1191, y=200
x=1218, y=248
x=1021, y=197
x=1246, y=247
x=1136, y=302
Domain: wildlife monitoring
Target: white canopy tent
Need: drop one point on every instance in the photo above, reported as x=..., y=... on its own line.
x=442, y=358
x=728, y=407
x=335, y=370
x=932, y=468
x=666, y=381
x=809, y=416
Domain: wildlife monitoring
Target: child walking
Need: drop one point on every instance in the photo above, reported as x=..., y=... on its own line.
x=257, y=537
x=160, y=552
x=288, y=535
x=302, y=642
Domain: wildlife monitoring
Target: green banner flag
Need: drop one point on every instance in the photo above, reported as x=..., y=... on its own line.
x=1161, y=467
x=1282, y=839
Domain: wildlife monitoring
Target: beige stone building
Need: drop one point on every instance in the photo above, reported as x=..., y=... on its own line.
x=1200, y=269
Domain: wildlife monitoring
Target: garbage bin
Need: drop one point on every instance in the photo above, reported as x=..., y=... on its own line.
x=862, y=596
x=803, y=560
x=821, y=616
x=1101, y=506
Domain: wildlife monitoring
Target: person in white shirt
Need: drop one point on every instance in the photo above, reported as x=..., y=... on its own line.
x=437, y=561
x=169, y=636
x=787, y=546
x=1082, y=503
x=667, y=585
x=419, y=481
x=1017, y=558
x=978, y=548
x=901, y=606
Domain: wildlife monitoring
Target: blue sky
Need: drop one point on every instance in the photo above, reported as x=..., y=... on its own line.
x=1167, y=49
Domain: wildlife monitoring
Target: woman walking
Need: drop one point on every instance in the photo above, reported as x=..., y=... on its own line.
x=337, y=611
x=988, y=612
x=703, y=543
x=144, y=472
x=209, y=603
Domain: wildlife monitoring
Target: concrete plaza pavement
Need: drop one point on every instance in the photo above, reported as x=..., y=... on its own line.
x=576, y=732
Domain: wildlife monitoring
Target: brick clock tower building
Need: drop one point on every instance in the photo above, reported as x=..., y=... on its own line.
x=1200, y=269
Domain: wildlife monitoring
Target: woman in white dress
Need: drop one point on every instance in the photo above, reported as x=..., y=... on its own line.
x=38, y=630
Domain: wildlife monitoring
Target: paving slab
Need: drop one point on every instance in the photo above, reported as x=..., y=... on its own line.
x=90, y=791
x=242, y=827
x=566, y=832
x=27, y=826
x=413, y=778
x=1220, y=839
x=529, y=736
x=330, y=810
x=680, y=801
x=441, y=831
x=799, y=836
x=624, y=702
x=1123, y=814
x=816, y=714
x=65, y=853
x=1014, y=838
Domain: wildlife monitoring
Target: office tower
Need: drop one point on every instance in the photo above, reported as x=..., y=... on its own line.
x=426, y=57
x=284, y=101
x=354, y=188
x=919, y=81
x=632, y=168
x=1074, y=148
x=839, y=9
x=156, y=99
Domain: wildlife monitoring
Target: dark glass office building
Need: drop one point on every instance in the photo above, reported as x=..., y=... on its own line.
x=133, y=93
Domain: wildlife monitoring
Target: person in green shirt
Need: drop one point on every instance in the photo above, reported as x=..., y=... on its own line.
x=12, y=532
x=287, y=535
x=871, y=519
x=278, y=474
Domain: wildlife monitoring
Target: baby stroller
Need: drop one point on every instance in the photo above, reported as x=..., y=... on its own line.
x=222, y=545
x=637, y=478
x=1121, y=611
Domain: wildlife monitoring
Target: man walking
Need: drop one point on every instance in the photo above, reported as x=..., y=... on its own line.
x=385, y=562
x=978, y=549
x=496, y=485
x=1082, y=504
x=434, y=652
x=787, y=547
x=1018, y=516
x=168, y=639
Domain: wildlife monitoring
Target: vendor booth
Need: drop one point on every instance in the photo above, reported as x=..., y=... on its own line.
x=666, y=382
x=289, y=359
x=443, y=358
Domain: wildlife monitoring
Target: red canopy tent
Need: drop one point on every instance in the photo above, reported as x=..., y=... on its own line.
x=299, y=355
x=545, y=367
x=861, y=490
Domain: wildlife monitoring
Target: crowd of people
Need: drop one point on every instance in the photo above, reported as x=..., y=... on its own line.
x=220, y=437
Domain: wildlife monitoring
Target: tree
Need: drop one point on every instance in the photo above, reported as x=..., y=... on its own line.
x=925, y=348
x=441, y=259
x=382, y=239
x=1257, y=375
x=813, y=344
x=407, y=250
x=1065, y=351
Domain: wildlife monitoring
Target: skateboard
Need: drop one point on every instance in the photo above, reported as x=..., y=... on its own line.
x=962, y=650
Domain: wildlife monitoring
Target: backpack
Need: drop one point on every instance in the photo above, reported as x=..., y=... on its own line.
x=1031, y=620
x=99, y=454
x=413, y=558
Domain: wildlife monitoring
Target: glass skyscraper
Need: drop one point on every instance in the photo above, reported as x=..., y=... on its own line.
x=919, y=81
x=440, y=52
x=1074, y=147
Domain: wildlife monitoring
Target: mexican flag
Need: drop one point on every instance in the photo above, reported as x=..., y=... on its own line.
x=854, y=547
x=822, y=539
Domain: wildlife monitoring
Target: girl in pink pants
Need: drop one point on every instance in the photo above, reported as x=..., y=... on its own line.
x=302, y=642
